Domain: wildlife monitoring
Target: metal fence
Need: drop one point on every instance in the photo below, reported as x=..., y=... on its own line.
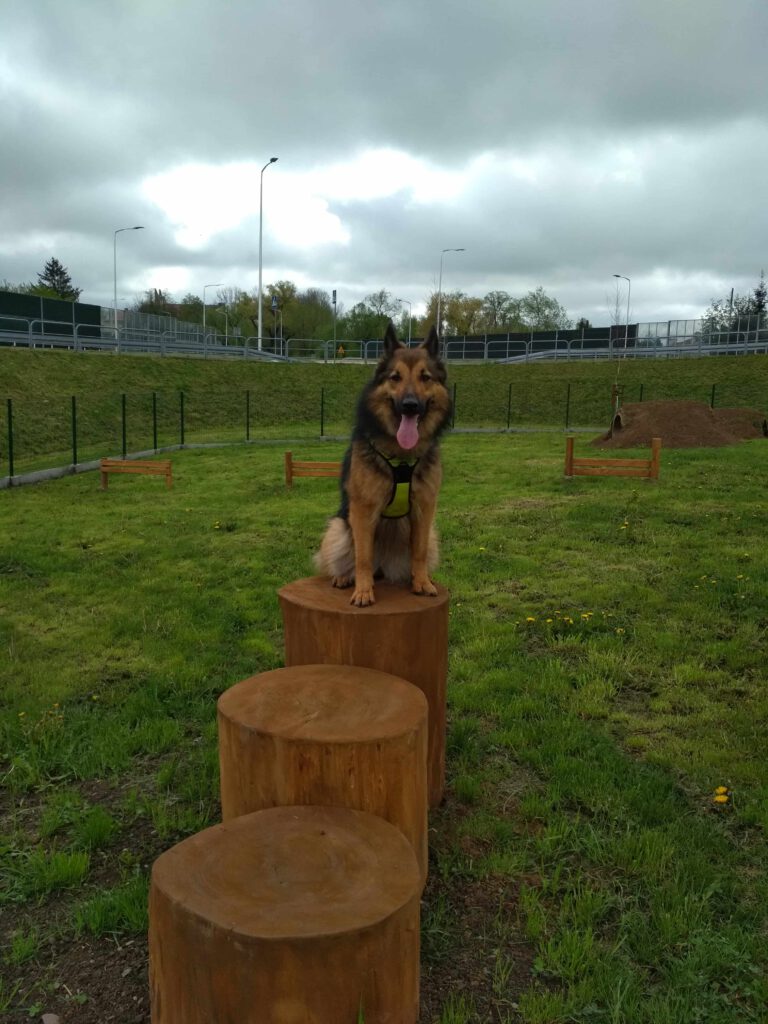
x=142, y=334
x=55, y=434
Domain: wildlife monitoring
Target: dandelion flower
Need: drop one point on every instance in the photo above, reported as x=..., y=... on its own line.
x=722, y=789
x=721, y=798
x=530, y=618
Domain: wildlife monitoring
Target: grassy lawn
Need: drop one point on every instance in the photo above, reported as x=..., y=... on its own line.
x=607, y=675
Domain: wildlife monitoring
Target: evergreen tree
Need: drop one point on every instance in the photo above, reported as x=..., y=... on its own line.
x=55, y=280
x=760, y=296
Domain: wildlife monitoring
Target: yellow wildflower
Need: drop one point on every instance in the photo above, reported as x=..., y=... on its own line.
x=721, y=798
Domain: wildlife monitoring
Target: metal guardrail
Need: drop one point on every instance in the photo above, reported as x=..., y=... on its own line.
x=80, y=338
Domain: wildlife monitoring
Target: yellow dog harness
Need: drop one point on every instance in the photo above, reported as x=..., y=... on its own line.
x=400, y=498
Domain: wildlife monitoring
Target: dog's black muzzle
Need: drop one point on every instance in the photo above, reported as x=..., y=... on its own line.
x=409, y=405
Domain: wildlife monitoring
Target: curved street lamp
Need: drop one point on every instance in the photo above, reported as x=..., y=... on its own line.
x=440, y=289
x=272, y=160
x=138, y=227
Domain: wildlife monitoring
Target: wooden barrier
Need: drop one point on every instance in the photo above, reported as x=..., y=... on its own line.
x=295, y=468
x=328, y=735
x=287, y=915
x=608, y=466
x=403, y=634
x=145, y=467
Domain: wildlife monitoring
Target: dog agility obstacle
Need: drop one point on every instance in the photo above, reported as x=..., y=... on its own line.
x=304, y=903
x=144, y=467
x=602, y=466
x=403, y=634
x=294, y=468
x=328, y=736
x=285, y=915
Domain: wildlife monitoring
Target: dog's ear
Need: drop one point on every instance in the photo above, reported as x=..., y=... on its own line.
x=391, y=344
x=432, y=344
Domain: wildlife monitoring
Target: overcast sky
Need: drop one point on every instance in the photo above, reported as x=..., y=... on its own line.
x=557, y=141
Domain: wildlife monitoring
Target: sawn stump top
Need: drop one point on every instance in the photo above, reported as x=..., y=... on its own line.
x=291, y=872
x=325, y=703
x=316, y=592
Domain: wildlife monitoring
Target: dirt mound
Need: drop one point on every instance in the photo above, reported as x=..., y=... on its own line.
x=681, y=424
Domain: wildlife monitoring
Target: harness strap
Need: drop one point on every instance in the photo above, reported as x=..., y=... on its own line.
x=402, y=474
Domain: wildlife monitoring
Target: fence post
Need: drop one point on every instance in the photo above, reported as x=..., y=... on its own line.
x=453, y=407
x=10, y=437
x=181, y=418
x=569, y=457
x=568, y=405
x=509, y=405
x=74, y=431
x=122, y=408
x=322, y=411
x=641, y=394
x=154, y=420
x=712, y=397
x=247, y=415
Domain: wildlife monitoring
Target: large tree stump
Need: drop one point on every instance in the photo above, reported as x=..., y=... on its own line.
x=402, y=633
x=327, y=735
x=293, y=915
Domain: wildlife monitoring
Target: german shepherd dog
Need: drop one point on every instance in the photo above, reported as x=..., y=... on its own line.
x=391, y=476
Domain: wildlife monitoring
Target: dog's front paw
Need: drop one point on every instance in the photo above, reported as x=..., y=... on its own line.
x=363, y=596
x=342, y=581
x=424, y=585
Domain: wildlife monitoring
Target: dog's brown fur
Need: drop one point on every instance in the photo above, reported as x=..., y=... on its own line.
x=359, y=544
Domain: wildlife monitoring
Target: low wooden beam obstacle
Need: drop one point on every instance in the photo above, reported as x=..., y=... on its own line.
x=289, y=915
x=609, y=466
x=144, y=467
x=294, y=467
x=403, y=634
x=328, y=735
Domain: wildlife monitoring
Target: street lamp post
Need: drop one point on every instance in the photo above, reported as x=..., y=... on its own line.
x=440, y=288
x=217, y=285
x=138, y=227
x=272, y=160
x=410, y=317
x=626, y=325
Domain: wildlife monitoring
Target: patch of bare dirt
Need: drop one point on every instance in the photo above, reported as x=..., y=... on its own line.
x=681, y=424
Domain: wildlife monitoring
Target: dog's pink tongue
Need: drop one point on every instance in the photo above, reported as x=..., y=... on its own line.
x=408, y=432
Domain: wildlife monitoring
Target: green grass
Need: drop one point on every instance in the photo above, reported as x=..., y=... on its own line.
x=607, y=674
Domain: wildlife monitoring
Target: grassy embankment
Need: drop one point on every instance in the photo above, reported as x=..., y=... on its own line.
x=285, y=400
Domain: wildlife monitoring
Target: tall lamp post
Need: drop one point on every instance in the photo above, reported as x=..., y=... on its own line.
x=217, y=285
x=440, y=288
x=272, y=160
x=139, y=227
x=626, y=325
x=410, y=317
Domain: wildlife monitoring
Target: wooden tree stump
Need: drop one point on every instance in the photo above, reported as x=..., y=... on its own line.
x=402, y=634
x=293, y=915
x=327, y=735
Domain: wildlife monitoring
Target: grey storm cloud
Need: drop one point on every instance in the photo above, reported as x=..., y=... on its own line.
x=619, y=137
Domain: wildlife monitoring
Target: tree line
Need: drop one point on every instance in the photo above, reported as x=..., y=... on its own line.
x=310, y=312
